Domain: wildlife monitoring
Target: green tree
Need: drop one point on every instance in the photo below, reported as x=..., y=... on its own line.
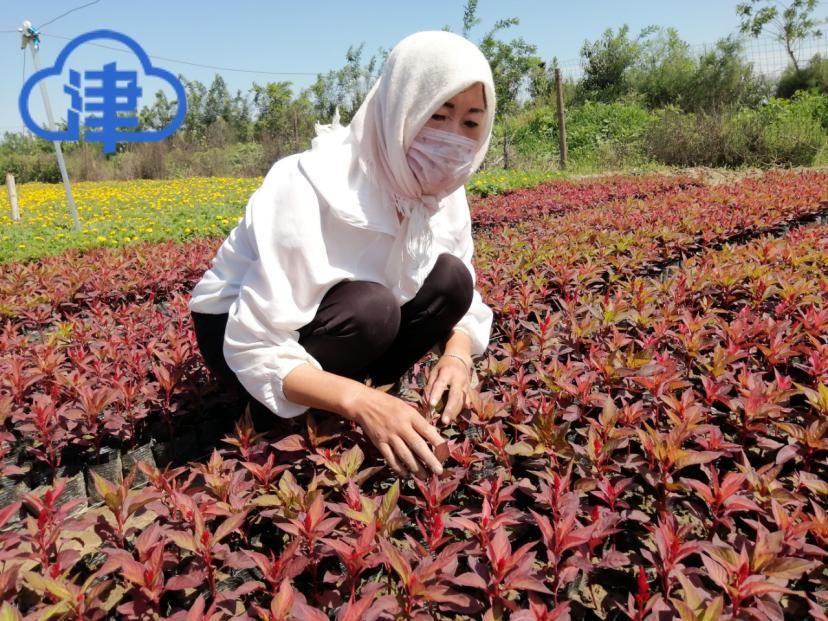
x=194, y=128
x=607, y=62
x=664, y=70
x=159, y=114
x=723, y=79
x=283, y=124
x=347, y=87
x=511, y=62
x=787, y=23
x=217, y=103
x=240, y=117
x=813, y=77
x=272, y=102
x=542, y=82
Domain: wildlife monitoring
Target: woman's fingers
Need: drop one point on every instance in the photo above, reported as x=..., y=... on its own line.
x=419, y=446
x=427, y=430
x=436, y=391
x=392, y=459
x=407, y=457
x=455, y=403
x=405, y=439
x=432, y=378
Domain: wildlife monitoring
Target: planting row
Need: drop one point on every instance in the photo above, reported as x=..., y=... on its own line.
x=54, y=288
x=593, y=248
x=557, y=197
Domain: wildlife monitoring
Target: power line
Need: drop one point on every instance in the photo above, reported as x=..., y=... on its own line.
x=67, y=13
x=185, y=62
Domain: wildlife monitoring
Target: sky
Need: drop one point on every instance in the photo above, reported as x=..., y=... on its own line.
x=277, y=38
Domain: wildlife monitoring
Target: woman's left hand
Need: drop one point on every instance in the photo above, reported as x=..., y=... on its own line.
x=449, y=373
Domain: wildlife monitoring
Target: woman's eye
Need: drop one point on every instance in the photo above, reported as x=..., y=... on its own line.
x=471, y=124
x=438, y=117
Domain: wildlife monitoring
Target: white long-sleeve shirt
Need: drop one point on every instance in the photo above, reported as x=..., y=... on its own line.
x=294, y=242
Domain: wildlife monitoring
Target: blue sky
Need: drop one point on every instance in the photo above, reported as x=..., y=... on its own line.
x=311, y=37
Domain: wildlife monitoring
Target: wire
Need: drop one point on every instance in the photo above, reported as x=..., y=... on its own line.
x=185, y=62
x=67, y=13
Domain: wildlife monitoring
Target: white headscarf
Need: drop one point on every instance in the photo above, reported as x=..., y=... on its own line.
x=422, y=72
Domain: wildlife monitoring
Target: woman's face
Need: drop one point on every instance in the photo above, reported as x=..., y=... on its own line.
x=463, y=114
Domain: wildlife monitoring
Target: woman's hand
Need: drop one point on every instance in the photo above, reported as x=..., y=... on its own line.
x=449, y=372
x=398, y=430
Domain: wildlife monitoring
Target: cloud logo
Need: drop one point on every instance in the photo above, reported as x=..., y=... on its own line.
x=109, y=97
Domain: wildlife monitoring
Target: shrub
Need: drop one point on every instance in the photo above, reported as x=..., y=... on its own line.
x=597, y=133
x=779, y=133
x=813, y=77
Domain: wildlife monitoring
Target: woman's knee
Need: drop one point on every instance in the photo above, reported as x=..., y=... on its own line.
x=373, y=313
x=454, y=280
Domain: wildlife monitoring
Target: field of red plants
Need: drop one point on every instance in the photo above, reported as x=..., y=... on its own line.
x=650, y=442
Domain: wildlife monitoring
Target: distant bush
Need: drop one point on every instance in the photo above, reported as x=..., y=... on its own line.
x=598, y=134
x=814, y=77
x=33, y=166
x=782, y=132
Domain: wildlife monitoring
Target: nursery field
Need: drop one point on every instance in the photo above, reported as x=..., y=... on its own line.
x=650, y=439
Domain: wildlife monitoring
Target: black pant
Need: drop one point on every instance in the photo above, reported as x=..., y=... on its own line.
x=359, y=331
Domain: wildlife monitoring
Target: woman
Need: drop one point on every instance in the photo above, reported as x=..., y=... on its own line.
x=353, y=259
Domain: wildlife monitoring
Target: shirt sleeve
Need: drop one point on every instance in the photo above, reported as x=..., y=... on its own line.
x=281, y=289
x=477, y=322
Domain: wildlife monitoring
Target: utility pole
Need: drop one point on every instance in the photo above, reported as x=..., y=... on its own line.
x=31, y=37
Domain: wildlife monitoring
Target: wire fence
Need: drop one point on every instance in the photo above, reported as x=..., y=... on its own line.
x=768, y=56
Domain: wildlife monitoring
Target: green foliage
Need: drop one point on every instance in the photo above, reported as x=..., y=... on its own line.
x=283, y=124
x=595, y=123
x=159, y=114
x=511, y=62
x=606, y=63
x=205, y=106
x=33, y=167
x=782, y=132
x=793, y=23
x=665, y=69
x=813, y=77
x=811, y=103
x=28, y=159
x=347, y=87
x=724, y=79
x=660, y=71
x=488, y=182
x=597, y=133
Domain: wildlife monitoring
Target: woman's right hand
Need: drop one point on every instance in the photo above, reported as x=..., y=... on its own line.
x=398, y=430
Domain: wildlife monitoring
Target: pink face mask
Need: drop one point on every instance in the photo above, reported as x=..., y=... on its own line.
x=440, y=160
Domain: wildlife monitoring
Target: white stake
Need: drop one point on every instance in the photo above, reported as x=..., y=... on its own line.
x=12, y=196
x=28, y=37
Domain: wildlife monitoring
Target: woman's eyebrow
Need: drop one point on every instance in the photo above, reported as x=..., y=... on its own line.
x=450, y=105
